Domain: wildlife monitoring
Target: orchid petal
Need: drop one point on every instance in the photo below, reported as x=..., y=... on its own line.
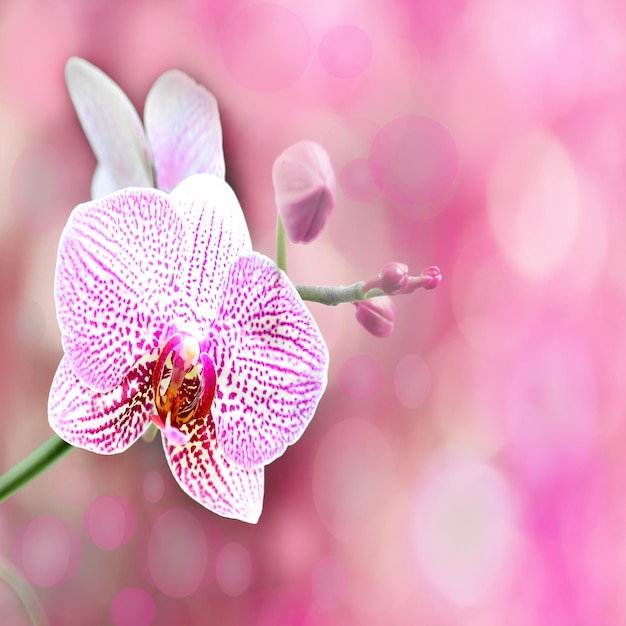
x=112, y=127
x=272, y=363
x=216, y=234
x=183, y=126
x=205, y=475
x=106, y=423
x=114, y=282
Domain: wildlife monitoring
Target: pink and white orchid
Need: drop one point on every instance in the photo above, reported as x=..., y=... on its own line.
x=168, y=317
x=182, y=135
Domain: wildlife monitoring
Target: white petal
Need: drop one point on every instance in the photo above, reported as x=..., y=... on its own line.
x=216, y=234
x=112, y=127
x=183, y=126
x=272, y=364
x=115, y=280
x=205, y=475
x=106, y=423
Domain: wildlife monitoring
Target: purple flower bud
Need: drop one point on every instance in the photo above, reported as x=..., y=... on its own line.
x=304, y=188
x=377, y=315
x=392, y=279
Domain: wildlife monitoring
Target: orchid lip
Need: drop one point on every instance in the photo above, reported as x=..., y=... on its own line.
x=183, y=385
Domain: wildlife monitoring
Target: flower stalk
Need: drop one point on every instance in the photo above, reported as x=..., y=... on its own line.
x=281, y=245
x=332, y=296
x=34, y=464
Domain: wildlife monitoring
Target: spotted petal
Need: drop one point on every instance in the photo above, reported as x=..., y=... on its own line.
x=106, y=423
x=216, y=235
x=272, y=363
x=112, y=127
x=206, y=476
x=114, y=282
x=183, y=127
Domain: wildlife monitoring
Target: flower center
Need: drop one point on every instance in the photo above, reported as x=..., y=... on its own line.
x=183, y=383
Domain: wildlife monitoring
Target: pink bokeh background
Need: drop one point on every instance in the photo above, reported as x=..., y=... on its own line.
x=471, y=469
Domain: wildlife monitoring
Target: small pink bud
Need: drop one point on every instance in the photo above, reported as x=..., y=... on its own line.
x=431, y=277
x=428, y=279
x=377, y=315
x=392, y=279
x=304, y=188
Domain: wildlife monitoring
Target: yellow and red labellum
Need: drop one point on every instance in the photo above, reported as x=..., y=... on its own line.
x=183, y=384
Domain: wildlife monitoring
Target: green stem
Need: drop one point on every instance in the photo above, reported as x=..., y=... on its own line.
x=332, y=296
x=33, y=465
x=281, y=247
x=24, y=592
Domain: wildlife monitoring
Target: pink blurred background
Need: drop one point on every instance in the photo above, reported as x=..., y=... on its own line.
x=471, y=469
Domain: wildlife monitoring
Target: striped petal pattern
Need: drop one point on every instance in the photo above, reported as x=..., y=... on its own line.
x=272, y=364
x=152, y=287
x=106, y=423
x=115, y=271
x=205, y=475
x=216, y=234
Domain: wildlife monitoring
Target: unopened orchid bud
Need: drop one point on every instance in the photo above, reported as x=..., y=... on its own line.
x=431, y=277
x=392, y=279
x=304, y=188
x=377, y=315
x=428, y=279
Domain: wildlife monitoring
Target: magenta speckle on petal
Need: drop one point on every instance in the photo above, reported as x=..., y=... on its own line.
x=265, y=46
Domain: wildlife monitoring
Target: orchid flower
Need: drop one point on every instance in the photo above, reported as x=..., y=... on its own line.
x=182, y=135
x=168, y=317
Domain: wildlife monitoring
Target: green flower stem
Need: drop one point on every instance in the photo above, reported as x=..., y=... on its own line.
x=24, y=592
x=281, y=247
x=332, y=296
x=33, y=465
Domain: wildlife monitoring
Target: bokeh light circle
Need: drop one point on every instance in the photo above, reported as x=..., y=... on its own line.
x=551, y=405
x=359, y=180
x=110, y=522
x=412, y=381
x=233, y=569
x=133, y=607
x=345, y=51
x=353, y=472
x=48, y=551
x=463, y=531
x=328, y=582
x=177, y=553
x=39, y=186
x=417, y=159
x=265, y=46
x=360, y=376
x=153, y=486
x=534, y=204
